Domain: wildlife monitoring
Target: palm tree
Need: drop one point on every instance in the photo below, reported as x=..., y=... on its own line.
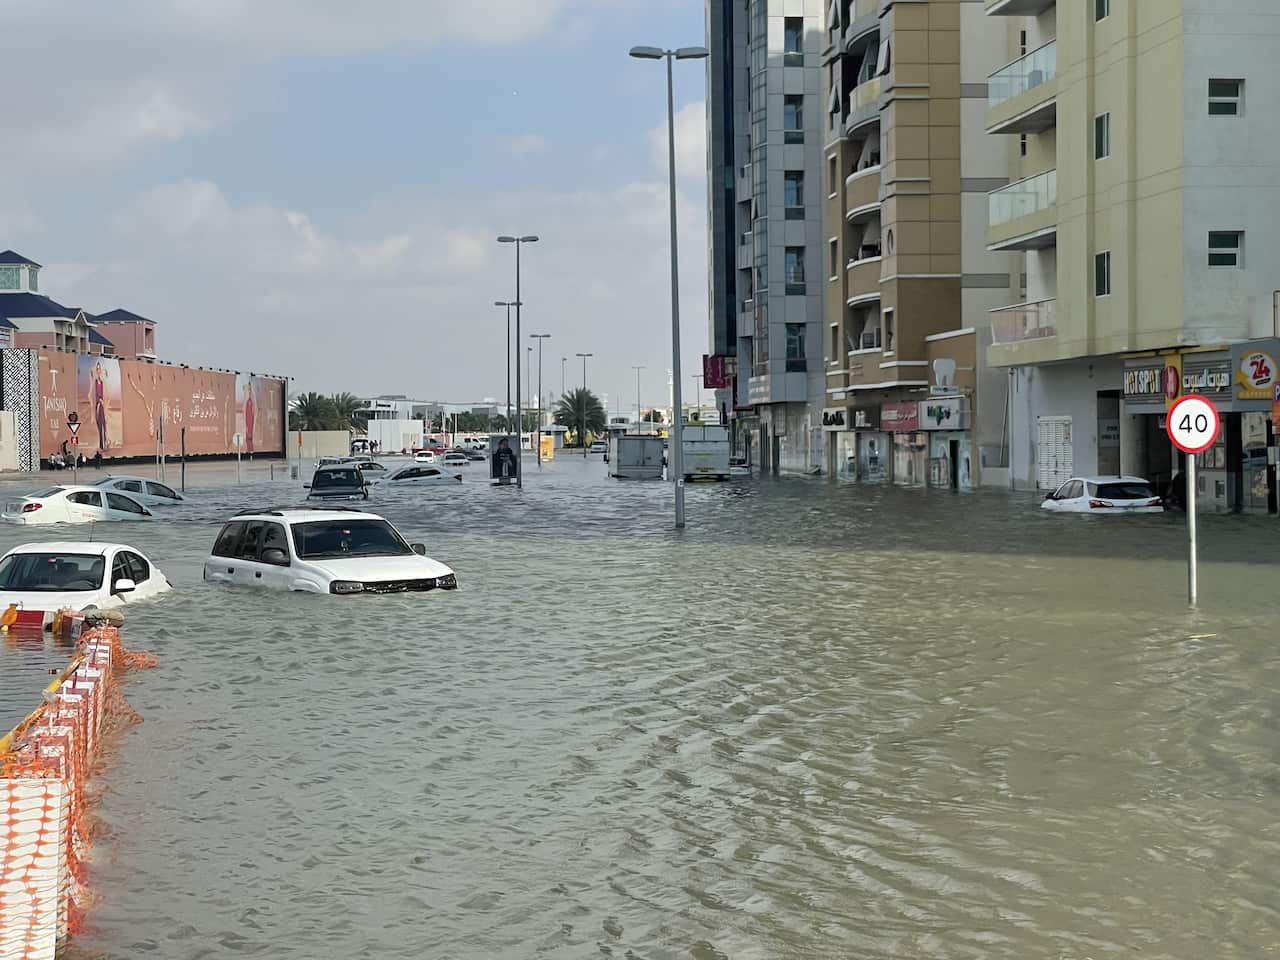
x=345, y=407
x=580, y=410
x=311, y=411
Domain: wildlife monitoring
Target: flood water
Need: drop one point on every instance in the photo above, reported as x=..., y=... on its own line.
x=825, y=721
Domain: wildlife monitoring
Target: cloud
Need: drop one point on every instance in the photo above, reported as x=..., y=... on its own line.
x=527, y=144
x=691, y=142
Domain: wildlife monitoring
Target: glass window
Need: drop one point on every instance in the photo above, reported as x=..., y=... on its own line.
x=793, y=42
x=1225, y=97
x=33, y=279
x=833, y=250
x=1226, y=248
x=139, y=569
x=129, y=486
x=248, y=548
x=348, y=538
x=160, y=490
x=229, y=539
x=834, y=354
x=119, y=570
x=118, y=501
x=1122, y=491
x=274, y=537
x=833, y=173
x=1102, y=136
x=51, y=572
x=795, y=265
x=793, y=118
x=793, y=188
x=87, y=498
x=1101, y=9
x=330, y=479
x=1102, y=274
x=9, y=278
x=888, y=331
x=795, y=341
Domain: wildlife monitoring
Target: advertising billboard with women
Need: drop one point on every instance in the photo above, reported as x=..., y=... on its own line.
x=126, y=407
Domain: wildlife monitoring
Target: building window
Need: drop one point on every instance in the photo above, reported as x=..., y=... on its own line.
x=9, y=279
x=793, y=42
x=888, y=331
x=1022, y=43
x=834, y=356
x=793, y=194
x=795, y=348
x=1102, y=274
x=1102, y=136
x=1022, y=145
x=1225, y=97
x=1101, y=9
x=33, y=283
x=833, y=249
x=833, y=173
x=795, y=270
x=1226, y=248
x=793, y=118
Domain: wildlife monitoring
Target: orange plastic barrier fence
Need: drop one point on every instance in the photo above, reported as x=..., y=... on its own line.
x=45, y=767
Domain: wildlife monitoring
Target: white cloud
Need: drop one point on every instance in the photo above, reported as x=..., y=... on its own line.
x=691, y=142
x=527, y=144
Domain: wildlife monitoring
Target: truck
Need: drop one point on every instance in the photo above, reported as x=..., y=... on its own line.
x=705, y=452
x=634, y=457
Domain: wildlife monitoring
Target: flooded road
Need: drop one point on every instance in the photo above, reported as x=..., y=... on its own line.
x=824, y=721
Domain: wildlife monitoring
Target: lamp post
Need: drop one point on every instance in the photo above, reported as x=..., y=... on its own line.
x=637, y=369
x=519, y=242
x=677, y=458
x=583, y=426
x=508, y=304
x=563, y=361
x=538, y=440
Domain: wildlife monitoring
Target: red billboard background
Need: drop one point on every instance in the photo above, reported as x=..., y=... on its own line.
x=121, y=404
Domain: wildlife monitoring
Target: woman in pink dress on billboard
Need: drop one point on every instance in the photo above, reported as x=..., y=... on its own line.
x=100, y=405
x=248, y=416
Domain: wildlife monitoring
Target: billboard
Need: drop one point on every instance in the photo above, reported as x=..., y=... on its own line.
x=124, y=404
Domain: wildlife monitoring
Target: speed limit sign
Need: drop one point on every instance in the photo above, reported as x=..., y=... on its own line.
x=1193, y=424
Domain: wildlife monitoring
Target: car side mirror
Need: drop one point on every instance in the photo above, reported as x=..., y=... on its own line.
x=1049, y=496
x=275, y=555
x=124, y=585
x=306, y=486
x=419, y=548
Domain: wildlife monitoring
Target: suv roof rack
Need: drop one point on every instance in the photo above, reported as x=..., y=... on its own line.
x=280, y=511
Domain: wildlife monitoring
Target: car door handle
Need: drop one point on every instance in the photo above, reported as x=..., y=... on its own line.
x=258, y=575
x=231, y=570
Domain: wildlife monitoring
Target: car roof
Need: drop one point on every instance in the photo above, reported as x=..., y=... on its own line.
x=94, y=548
x=306, y=514
x=77, y=488
x=1110, y=479
x=129, y=476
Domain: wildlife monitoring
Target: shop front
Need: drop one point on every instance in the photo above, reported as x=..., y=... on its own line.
x=841, y=449
x=901, y=422
x=945, y=421
x=873, y=444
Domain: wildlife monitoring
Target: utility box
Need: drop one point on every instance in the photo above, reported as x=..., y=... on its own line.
x=634, y=457
x=705, y=452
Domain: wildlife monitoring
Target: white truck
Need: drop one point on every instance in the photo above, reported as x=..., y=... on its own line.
x=706, y=452
x=633, y=457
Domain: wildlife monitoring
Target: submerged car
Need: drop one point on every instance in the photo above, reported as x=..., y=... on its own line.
x=72, y=575
x=74, y=504
x=416, y=474
x=456, y=459
x=1104, y=495
x=368, y=466
x=600, y=446
x=314, y=550
x=342, y=482
x=424, y=456
x=149, y=493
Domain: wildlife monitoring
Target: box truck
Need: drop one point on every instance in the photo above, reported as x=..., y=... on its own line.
x=706, y=452
x=633, y=457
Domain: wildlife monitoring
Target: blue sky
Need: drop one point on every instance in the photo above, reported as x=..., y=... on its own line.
x=288, y=187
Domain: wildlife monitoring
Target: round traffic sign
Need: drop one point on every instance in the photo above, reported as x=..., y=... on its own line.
x=1193, y=424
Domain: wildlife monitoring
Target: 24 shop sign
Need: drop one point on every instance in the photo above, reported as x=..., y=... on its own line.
x=1256, y=376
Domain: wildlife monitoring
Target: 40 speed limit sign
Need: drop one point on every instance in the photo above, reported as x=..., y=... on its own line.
x=1193, y=424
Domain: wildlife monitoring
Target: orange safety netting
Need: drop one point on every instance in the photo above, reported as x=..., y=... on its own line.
x=45, y=767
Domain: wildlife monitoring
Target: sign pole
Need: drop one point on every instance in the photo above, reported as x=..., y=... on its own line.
x=183, y=438
x=1193, y=426
x=1192, y=586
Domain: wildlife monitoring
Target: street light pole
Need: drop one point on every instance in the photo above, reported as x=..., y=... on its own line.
x=637, y=369
x=540, y=337
x=677, y=432
x=518, y=241
x=508, y=305
x=583, y=426
x=563, y=361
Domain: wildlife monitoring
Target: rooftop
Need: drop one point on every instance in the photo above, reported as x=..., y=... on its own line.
x=9, y=258
x=22, y=305
x=121, y=316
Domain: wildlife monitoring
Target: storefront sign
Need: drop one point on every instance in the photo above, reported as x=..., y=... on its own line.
x=833, y=418
x=1256, y=373
x=1275, y=408
x=1144, y=383
x=1108, y=432
x=715, y=373
x=944, y=413
x=865, y=418
x=900, y=417
x=758, y=390
x=1206, y=381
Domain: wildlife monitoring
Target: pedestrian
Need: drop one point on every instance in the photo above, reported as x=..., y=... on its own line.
x=97, y=460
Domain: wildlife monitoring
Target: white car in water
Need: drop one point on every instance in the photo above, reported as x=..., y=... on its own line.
x=455, y=459
x=49, y=577
x=74, y=504
x=424, y=456
x=149, y=493
x=1104, y=495
x=417, y=475
x=323, y=551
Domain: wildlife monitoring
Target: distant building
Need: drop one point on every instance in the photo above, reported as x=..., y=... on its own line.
x=133, y=337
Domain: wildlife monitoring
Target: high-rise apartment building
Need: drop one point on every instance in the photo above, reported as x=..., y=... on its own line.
x=764, y=107
x=907, y=167
x=1142, y=226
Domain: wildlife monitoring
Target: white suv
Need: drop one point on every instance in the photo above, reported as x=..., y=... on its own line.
x=322, y=550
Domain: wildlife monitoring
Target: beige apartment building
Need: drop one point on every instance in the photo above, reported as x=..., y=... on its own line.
x=910, y=284
x=1141, y=231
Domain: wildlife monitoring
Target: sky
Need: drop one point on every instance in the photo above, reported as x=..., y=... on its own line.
x=314, y=187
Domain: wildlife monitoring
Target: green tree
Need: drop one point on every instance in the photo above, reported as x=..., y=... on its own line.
x=344, y=406
x=311, y=411
x=581, y=412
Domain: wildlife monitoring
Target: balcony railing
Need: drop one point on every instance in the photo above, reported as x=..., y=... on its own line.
x=1035, y=320
x=1036, y=68
x=864, y=93
x=1023, y=198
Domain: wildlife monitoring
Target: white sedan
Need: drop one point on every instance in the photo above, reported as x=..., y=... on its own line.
x=48, y=577
x=424, y=456
x=70, y=504
x=1104, y=495
x=455, y=459
x=149, y=493
x=416, y=474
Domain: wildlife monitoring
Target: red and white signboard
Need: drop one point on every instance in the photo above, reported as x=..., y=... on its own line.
x=1193, y=424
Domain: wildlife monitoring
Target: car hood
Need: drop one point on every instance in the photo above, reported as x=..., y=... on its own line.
x=372, y=569
x=51, y=601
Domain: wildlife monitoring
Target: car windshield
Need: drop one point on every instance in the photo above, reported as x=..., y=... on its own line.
x=335, y=478
x=329, y=539
x=51, y=572
x=1127, y=490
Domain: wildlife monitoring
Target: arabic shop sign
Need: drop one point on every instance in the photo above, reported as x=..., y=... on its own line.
x=944, y=413
x=833, y=418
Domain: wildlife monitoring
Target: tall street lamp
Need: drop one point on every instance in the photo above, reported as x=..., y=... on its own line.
x=508, y=304
x=563, y=361
x=519, y=242
x=583, y=426
x=677, y=433
x=539, y=337
x=637, y=369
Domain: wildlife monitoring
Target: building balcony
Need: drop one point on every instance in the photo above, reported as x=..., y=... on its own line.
x=746, y=252
x=862, y=194
x=863, y=278
x=1023, y=96
x=1020, y=322
x=864, y=18
x=864, y=105
x=1024, y=215
x=1018, y=8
